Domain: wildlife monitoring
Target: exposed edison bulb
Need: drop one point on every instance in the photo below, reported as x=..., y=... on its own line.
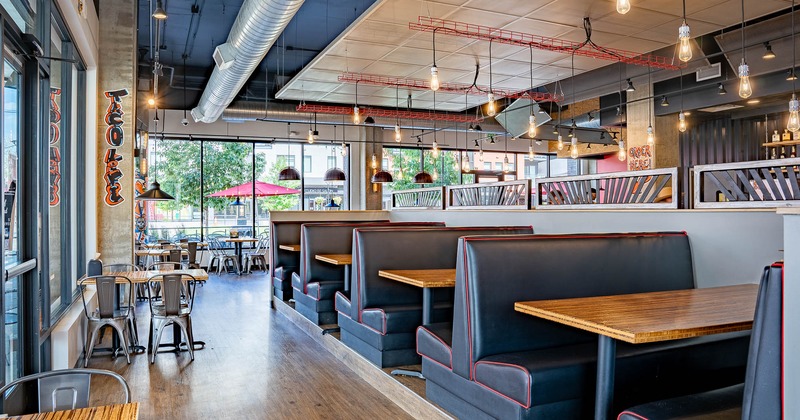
x=435, y=175
x=532, y=126
x=506, y=165
x=684, y=46
x=745, y=88
x=435, y=149
x=151, y=101
x=794, y=115
x=622, y=155
x=374, y=161
x=397, y=137
x=356, y=115
x=434, y=78
x=681, y=122
x=344, y=150
x=480, y=155
x=491, y=107
x=623, y=6
x=651, y=138
x=560, y=142
x=574, y=147
x=465, y=164
x=310, y=136
x=531, y=154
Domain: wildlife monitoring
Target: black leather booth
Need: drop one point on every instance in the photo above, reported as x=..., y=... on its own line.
x=379, y=319
x=759, y=397
x=316, y=282
x=283, y=263
x=499, y=363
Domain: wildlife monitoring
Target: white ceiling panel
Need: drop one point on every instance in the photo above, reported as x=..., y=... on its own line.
x=381, y=43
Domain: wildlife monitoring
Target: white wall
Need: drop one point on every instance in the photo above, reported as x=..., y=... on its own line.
x=729, y=247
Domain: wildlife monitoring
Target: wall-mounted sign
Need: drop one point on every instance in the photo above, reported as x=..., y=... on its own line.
x=640, y=158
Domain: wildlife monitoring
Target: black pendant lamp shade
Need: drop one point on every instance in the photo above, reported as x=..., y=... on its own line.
x=423, y=178
x=237, y=202
x=334, y=174
x=332, y=205
x=289, y=173
x=382, y=177
x=155, y=194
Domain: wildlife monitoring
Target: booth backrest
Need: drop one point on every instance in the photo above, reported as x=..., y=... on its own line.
x=334, y=238
x=493, y=272
x=289, y=233
x=405, y=249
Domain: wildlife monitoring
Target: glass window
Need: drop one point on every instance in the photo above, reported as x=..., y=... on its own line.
x=307, y=168
x=268, y=172
x=58, y=140
x=331, y=162
x=318, y=193
x=487, y=166
x=177, y=169
x=288, y=160
x=227, y=165
x=21, y=13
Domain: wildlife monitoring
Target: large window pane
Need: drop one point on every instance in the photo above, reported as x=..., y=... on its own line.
x=317, y=192
x=58, y=139
x=177, y=168
x=275, y=158
x=227, y=165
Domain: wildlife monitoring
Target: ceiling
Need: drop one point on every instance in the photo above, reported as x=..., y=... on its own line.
x=329, y=37
x=381, y=43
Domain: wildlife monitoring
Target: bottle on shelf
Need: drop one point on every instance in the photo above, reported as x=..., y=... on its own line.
x=787, y=136
x=776, y=137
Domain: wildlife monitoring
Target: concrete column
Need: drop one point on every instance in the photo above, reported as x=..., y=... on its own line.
x=116, y=130
x=640, y=155
x=373, y=193
x=668, y=142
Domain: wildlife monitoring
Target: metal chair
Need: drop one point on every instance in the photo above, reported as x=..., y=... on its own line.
x=221, y=257
x=178, y=301
x=258, y=255
x=65, y=389
x=106, y=314
x=192, y=250
x=109, y=269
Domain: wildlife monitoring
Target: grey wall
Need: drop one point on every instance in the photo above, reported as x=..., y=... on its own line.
x=791, y=316
x=729, y=247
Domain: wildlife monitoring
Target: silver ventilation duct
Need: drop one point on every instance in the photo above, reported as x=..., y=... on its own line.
x=256, y=28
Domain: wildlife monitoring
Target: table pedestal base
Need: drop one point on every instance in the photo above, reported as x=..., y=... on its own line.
x=404, y=372
x=606, y=363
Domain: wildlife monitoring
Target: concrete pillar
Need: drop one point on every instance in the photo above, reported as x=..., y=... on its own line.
x=667, y=144
x=639, y=111
x=116, y=130
x=373, y=193
x=584, y=149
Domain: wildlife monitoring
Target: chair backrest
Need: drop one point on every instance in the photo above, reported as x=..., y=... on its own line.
x=184, y=240
x=116, y=268
x=192, y=249
x=176, y=289
x=163, y=242
x=106, y=290
x=65, y=389
x=163, y=266
x=408, y=248
x=175, y=255
x=762, y=385
x=493, y=272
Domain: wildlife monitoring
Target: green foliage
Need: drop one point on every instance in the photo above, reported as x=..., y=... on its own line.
x=278, y=202
x=445, y=166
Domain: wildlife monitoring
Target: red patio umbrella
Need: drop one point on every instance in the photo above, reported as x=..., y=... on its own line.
x=263, y=189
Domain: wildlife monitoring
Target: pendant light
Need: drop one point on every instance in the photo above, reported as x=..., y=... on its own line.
x=159, y=13
x=334, y=174
x=745, y=88
x=531, y=117
x=721, y=90
x=651, y=137
x=684, y=39
x=768, y=53
x=380, y=176
x=397, y=135
x=794, y=104
x=313, y=135
x=560, y=144
x=356, y=110
x=434, y=70
x=154, y=193
x=289, y=173
x=491, y=107
x=236, y=202
x=422, y=177
x=531, y=153
x=681, y=115
x=574, y=129
x=623, y=6
x=574, y=147
x=622, y=155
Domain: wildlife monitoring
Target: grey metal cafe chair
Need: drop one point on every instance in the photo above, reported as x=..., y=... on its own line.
x=55, y=390
x=177, y=302
x=106, y=313
x=140, y=293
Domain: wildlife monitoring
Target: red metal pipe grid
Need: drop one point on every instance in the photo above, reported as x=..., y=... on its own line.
x=486, y=33
x=378, y=80
x=389, y=113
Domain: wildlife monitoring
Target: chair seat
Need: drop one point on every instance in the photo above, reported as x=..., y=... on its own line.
x=435, y=341
x=118, y=314
x=719, y=404
x=324, y=290
x=402, y=318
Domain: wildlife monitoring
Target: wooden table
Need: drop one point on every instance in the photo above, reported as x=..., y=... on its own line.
x=237, y=246
x=145, y=275
x=647, y=318
x=290, y=247
x=339, y=259
x=426, y=279
x=128, y=411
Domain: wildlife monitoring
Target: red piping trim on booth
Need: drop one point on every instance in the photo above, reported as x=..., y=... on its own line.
x=449, y=349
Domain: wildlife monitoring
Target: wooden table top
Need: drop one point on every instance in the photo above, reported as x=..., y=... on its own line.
x=242, y=239
x=181, y=244
x=657, y=316
x=156, y=252
x=144, y=276
x=128, y=411
x=335, y=259
x=445, y=277
x=291, y=247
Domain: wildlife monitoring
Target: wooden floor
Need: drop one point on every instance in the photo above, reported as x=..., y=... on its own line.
x=255, y=365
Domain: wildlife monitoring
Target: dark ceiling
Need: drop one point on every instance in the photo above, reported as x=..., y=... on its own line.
x=195, y=27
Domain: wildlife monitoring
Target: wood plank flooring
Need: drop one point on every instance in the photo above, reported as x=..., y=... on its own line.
x=256, y=365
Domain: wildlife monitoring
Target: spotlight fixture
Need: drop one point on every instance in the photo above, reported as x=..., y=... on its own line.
x=721, y=89
x=619, y=111
x=369, y=120
x=159, y=13
x=623, y=6
x=792, y=76
x=476, y=143
x=768, y=54
x=664, y=101
x=602, y=135
x=591, y=117
x=630, y=87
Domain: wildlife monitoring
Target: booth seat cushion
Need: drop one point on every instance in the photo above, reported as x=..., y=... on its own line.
x=391, y=319
x=719, y=404
x=561, y=373
x=324, y=290
x=297, y=283
x=435, y=341
x=342, y=304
